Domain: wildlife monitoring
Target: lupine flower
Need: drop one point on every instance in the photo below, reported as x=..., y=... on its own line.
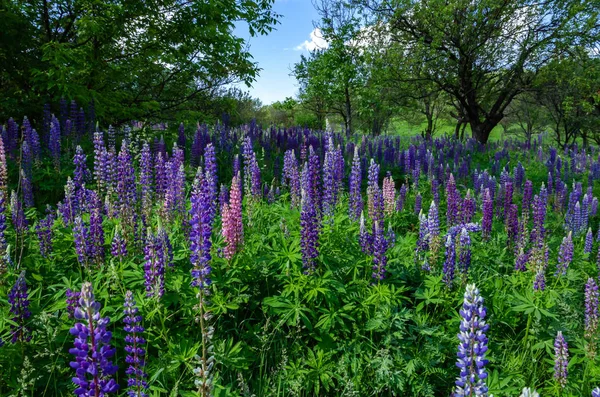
x=591, y=308
x=464, y=247
x=210, y=170
x=452, y=197
x=596, y=392
x=3, y=245
x=539, y=218
x=389, y=195
x=251, y=170
x=372, y=190
x=589, y=241
x=72, y=301
x=291, y=177
x=365, y=239
x=527, y=392
x=561, y=359
x=165, y=245
x=450, y=261
x=473, y=346
x=27, y=190
x=508, y=197
x=154, y=266
x=418, y=203
x=18, y=215
x=100, y=154
x=146, y=191
x=200, y=233
x=3, y=171
x=134, y=347
x=233, y=228
x=424, y=234
x=401, y=198
x=126, y=189
x=18, y=299
x=181, y=136
x=96, y=233
x=329, y=180
x=92, y=350
x=488, y=214
x=54, y=142
x=527, y=193
x=81, y=173
x=44, y=233
x=380, y=246
x=468, y=208
x=314, y=186
x=565, y=255
x=539, y=260
x=81, y=236
x=26, y=159
x=512, y=223
x=309, y=233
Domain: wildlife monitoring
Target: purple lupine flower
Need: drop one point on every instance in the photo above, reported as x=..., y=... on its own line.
x=450, y=261
x=3, y=171
x=596, y=392
x=251, y=169
x=18, y=215
x=27, y=190
x=118, y=246
x=365, y=239
x=468, y=208
x=146, y=191
x=181, y=136
x=154, y=266
x=539, y=218
x=591, y=308
x=81, y=173
x=508, y=197
x=539, y=259
x=72, y=301
x=424, y=234
x=314, y=186
x=433, y=221
x=134, y=346
x=473, y=346
x=68, y=208
x=512, y=223
x=44, y=233
x=488, y=214
x=18, y=299
x=54, y=142
x=561, y=359
x=200, y=233
x=291, y=177
x=452, y=197
x=565, y=255
x=80, y=237
x=92, y=348
x=95, y=242
x=464, y=247
x=589, y=241
x=26, y=159
x=329, y=180
x=418, y=203
x=380, y=246
x=401, y=198
x=3, y=245
x=210, y=169
x=160, y=176
x=309, y=233
x=126, y=189
x=100, y=161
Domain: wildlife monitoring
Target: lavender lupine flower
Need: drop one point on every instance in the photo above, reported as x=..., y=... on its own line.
x=468, y=208
x=181, y=136
x=314, y=186
x=527, y=392
x=488, y=214
x=26, y=159
x=118, y=246
x=539, y=260
x=380, y=246
x=72, y=301
x=18, y=215
x=134, y=347
x=401, y=198
x=200, y=233
x=44, y=233
x=372, y=189
x=424, y=234
x=512, y=223
x=309, y=233
x=291, y=177
x=146, y=191
x=81, y=173
x=389, y=195
x=92, y=350
x=3, y=171
x=233, y=228
x=160, y=176
x=3, y=245
x=154, y=266
x=418, y=203
x=81, y=237
x=527, y=193
x=596, y=392
x=591, y=308
x=561, y=359
x=18, y=299
x=452, y=197
x=251, y=170
x=54, y=142
x=165, y=245
x=565, y=255
x=95, y=243
x=100, y=154
x=589, y=242
x=365, y=239
x=210, y=170
x=539, y=218
x=472, y=347
x=450, y=261
x=126, y=188
x=464, y=247
x=328, y=180
x=27, y=190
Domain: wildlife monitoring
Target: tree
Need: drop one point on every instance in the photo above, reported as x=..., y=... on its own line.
x=136, y=59
x=481, y=53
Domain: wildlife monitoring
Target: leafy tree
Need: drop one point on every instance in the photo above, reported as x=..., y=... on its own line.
x=483, y=53
x=136, y=59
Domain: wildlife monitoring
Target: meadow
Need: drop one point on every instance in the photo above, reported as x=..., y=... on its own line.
x=166, y=260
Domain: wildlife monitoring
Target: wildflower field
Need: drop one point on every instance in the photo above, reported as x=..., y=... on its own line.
x=188, y=260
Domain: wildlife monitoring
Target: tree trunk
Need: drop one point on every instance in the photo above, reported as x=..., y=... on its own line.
x=457, y=129
x=481, y=130
x=348, y=110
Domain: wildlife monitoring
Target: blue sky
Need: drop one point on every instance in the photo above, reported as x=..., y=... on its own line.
x=277, y=52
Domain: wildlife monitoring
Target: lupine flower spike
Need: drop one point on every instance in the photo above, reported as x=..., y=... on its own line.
x=561, y=359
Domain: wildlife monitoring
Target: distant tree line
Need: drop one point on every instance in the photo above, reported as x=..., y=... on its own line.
x=523, y=65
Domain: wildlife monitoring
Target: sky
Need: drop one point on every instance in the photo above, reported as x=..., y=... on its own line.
x=277, y=52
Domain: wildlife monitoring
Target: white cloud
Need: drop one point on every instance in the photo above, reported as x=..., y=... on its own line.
x=317, y=42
